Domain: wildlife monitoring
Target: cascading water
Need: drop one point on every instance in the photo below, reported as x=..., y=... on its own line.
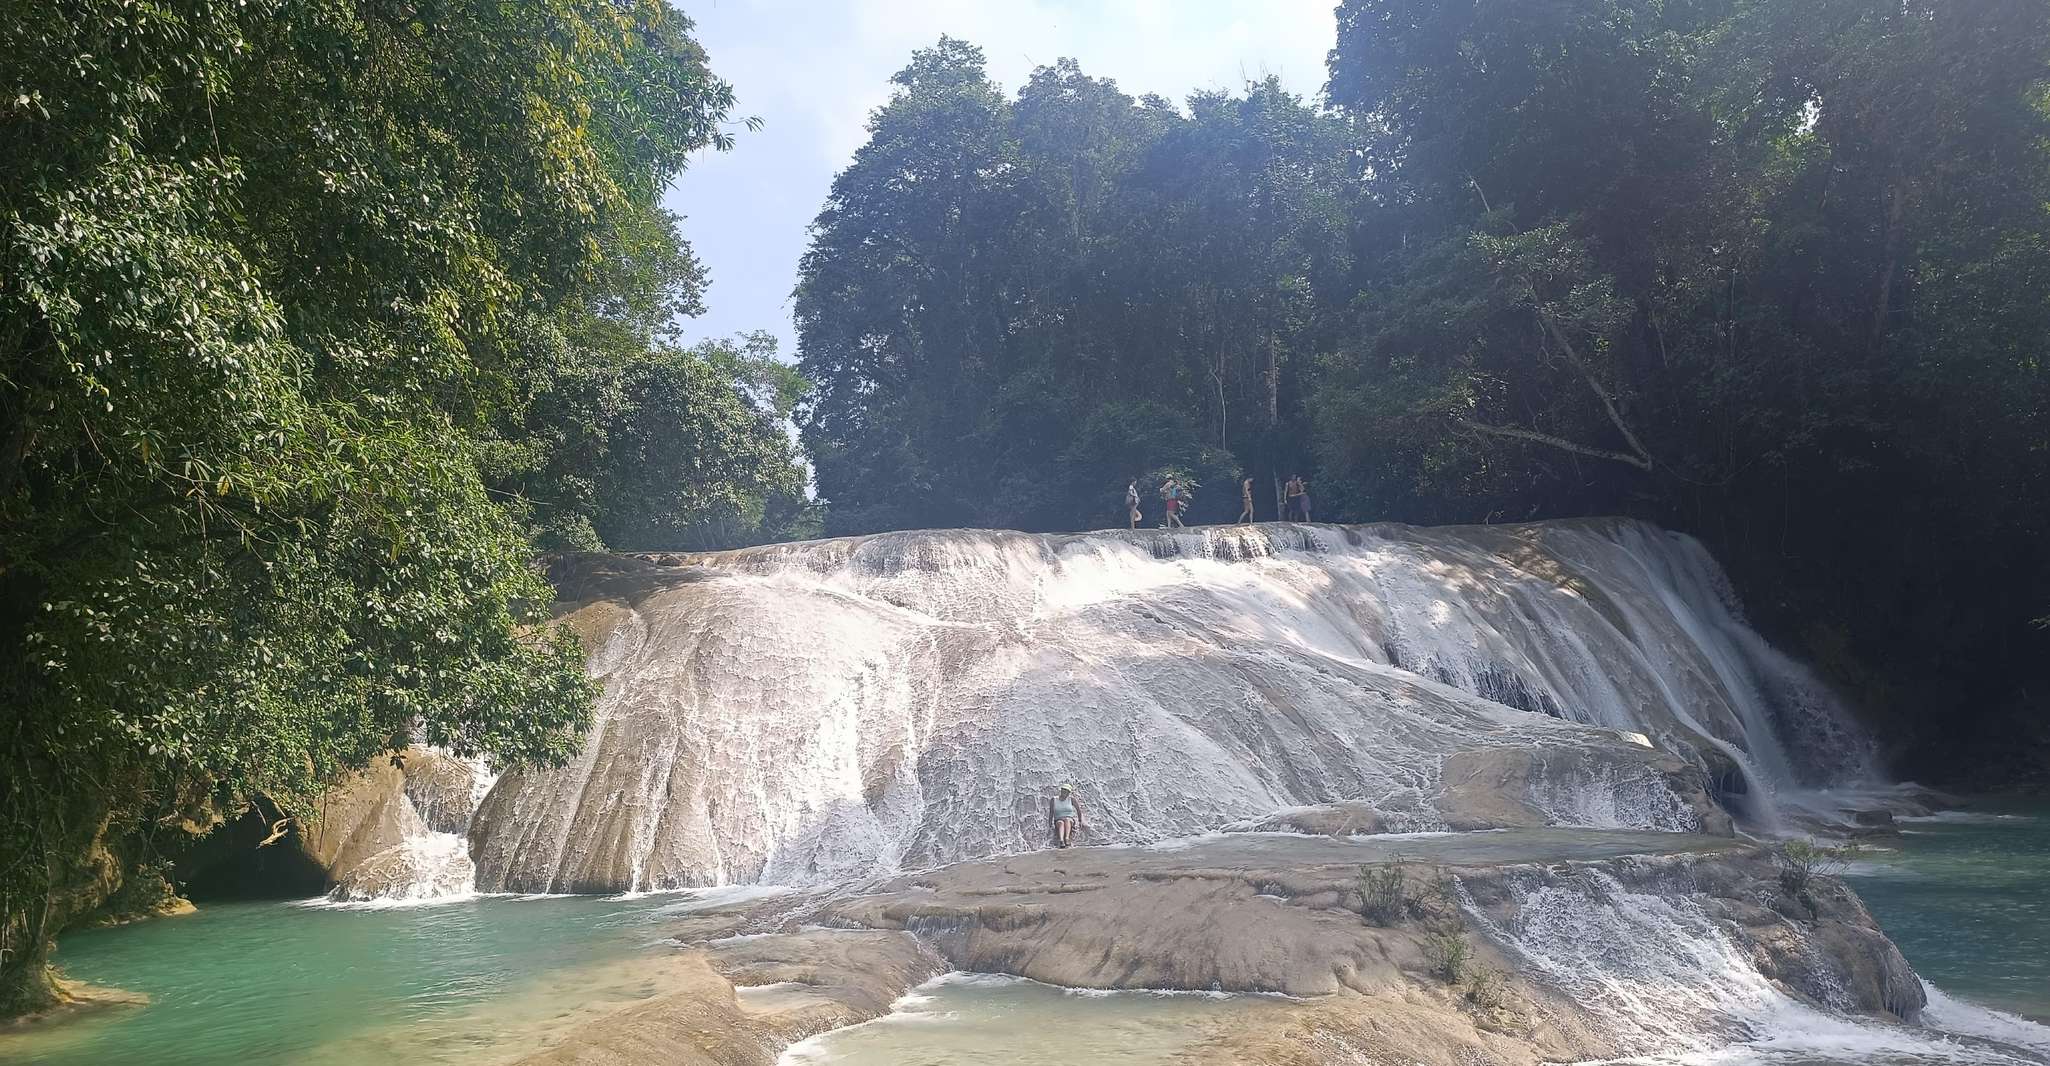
x=838, y=708
x=1679, y=985
x=424, y=831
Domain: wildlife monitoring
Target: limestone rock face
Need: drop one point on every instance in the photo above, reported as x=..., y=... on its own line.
x=1345, y=819
x=1232, y=913
x=1701, y=950
x=396, y=829
x=443, y=789
x=813, y=712
x=360, y=817
x=1494, y=788
x=1819, y=941
x=838, y=978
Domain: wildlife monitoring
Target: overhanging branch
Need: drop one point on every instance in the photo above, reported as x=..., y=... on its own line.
x=1641, y=462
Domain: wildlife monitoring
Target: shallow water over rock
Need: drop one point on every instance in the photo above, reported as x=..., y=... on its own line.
x=975, y=1019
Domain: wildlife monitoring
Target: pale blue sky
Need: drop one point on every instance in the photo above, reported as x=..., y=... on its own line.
x=812, y=70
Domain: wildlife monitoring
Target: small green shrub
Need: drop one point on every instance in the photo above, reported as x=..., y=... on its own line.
x=1446, y=947
x=1385, y=894
x=1445, y=891
x=1484, y=985
x=1801, y=861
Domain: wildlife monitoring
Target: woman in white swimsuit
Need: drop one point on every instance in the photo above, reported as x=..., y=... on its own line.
x=1064, y=814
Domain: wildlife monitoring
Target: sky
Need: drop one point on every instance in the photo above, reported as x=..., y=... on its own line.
x=812, y=70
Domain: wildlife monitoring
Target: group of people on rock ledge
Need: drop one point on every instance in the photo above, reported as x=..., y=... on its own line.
x=1175, y=497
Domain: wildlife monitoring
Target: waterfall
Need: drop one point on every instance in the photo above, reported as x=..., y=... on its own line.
x=837, y=708
x=1679, y=986
x=418, y=839
x=1654, y=963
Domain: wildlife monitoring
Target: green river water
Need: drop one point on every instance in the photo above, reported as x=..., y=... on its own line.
x=256, y=984
x=481, y=980
x=1967, y=898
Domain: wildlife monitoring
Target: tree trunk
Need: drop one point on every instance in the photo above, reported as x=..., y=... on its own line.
x=26, y=983
x=1896, y=214
x=1639, y=456
x=1218, y=374
x=1273, y=380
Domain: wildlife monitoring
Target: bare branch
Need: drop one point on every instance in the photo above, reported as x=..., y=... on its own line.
x=1572, y=354
x=1639, y=461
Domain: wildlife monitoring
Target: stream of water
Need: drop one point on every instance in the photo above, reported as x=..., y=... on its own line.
x=485, y=979
x=807, y=713
x=1962, y=894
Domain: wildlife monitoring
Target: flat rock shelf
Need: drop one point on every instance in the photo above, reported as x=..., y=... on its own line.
x=1278, y=916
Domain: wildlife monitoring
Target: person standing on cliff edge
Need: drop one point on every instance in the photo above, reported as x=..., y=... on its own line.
x=1064, y=816
x=1171, y=497
x=1298, y=499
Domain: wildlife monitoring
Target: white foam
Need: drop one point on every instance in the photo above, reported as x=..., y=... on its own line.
x=1954, y=1015
x=1965, y=818
x=1680, y=991
x=699, y=899
x=736, y=938
x=325, y=903
x=1184, y=843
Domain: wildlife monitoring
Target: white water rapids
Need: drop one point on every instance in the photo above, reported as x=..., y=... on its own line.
x=1679, y=990
x=816, y=711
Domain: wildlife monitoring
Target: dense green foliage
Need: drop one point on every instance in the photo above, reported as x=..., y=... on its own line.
x=1012, y=307
x=302, y=307
x=629, y=442
x=1776, y=272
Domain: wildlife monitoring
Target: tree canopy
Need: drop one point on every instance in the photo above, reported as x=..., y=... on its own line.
x=313, y=317
x=1770, y=272
x=1013, y=306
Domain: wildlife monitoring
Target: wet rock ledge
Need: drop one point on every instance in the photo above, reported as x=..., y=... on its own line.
x=1262, y=913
